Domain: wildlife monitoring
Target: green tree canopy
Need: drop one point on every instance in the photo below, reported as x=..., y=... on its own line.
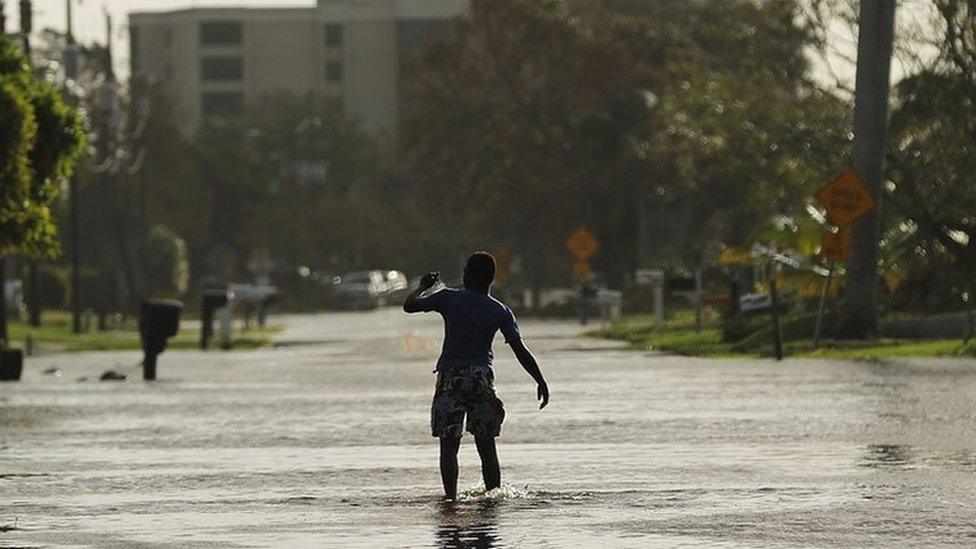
x=932, y=169
x=538, y=116
x=42, y=138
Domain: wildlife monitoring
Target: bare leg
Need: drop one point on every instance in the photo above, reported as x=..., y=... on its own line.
x=449, y=465
x=490, y=470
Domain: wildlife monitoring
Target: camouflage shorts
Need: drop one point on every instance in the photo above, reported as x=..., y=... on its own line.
x=466, y=391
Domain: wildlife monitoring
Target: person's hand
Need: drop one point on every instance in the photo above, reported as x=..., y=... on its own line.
x=429, y=280
x=542, y=393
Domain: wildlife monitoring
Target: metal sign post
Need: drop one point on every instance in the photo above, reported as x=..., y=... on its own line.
x=774, y=297
x=698, y=300
x=823, y=303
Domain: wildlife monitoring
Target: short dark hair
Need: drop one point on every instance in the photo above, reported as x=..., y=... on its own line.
x=480, y=268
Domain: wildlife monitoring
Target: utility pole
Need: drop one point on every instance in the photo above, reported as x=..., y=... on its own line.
x=26, y=24
x=34, y=294
x=874, y=44
x=71, y=73
x=110, y=106
x=3, y=266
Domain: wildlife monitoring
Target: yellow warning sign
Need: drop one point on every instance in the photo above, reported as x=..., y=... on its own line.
x=835, y=246
x=845, y=199
x=583, y=244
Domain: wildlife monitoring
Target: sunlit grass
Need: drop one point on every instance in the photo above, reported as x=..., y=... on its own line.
x=55, y=335
x=678, y=336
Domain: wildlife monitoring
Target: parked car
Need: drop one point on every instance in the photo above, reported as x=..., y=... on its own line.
x=397, y=286
x=360, y=290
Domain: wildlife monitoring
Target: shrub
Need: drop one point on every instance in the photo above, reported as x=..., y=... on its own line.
x=167, y=264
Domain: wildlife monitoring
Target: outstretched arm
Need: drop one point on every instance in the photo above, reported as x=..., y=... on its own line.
x=528, y=362
x=410, y=304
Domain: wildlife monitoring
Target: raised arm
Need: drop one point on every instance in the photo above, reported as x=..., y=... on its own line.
x=412, y=303
x=531, y=366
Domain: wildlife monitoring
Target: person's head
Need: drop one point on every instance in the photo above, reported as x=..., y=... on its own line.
x=479, y=271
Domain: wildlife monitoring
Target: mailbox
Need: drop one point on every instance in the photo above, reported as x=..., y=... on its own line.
x=159, y=321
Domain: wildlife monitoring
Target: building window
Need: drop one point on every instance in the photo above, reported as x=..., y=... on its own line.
x=221, y=69
x=222, y=103
x=333, y=35
x=221, y=33
x=333, y=71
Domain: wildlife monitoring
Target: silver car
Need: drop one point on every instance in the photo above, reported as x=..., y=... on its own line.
x=397, y=285
x=360, y=290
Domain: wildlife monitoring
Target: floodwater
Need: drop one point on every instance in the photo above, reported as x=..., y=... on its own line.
x=323, y=442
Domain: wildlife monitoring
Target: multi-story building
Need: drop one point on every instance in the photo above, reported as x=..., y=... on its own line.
x=216, y=60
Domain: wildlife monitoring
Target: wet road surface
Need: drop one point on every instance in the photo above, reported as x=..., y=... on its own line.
x=323, y=441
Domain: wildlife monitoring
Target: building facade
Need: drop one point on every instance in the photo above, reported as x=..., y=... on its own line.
x=214, y=61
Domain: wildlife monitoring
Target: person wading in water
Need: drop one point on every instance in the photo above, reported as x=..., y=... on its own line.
x=465, y=381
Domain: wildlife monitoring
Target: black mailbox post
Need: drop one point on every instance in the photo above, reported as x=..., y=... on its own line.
x=210, y=301
x=159, y=321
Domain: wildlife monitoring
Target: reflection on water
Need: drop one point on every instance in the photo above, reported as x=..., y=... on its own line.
x=893, y=456
x=465, y=525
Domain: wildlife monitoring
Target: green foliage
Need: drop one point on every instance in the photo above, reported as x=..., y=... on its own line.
x=58, y=143
x=17, y=130
x=538, y=117
x=295, y=178
x=737, y=328
x=167, y=264
x=796, y=327
x=41, y=139
x=931, y=236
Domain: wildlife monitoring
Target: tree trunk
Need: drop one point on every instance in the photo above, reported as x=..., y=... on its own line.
x=860, y=318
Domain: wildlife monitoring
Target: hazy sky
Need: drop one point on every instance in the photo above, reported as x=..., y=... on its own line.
x=90, y=21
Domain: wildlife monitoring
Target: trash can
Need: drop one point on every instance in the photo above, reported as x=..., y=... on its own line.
x=159, y=320
x=11, y=364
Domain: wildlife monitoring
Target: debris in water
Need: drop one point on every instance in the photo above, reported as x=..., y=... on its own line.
x=113, y=375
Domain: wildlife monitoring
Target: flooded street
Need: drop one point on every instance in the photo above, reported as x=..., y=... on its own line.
x=323, y=441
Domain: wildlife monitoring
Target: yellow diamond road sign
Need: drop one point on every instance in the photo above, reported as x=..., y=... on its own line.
x=845, y=199
x=583, y=244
